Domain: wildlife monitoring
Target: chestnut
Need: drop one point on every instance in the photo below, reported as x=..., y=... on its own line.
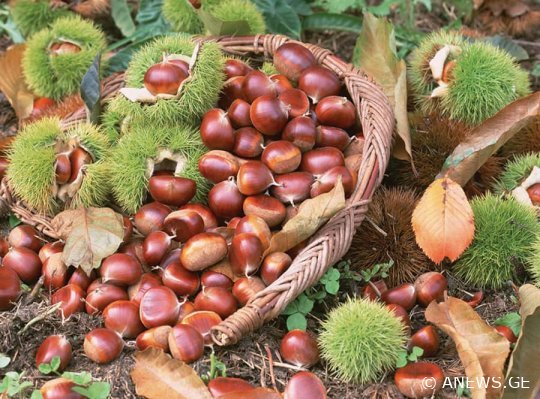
x=102, y=295
x=299, y=348
x=4, y=247
x=356, y=145
x=186, y=343
x=186, y=308
x=429, y=287
x=183, y=224
x=238, y=113
x=203, y=321
x=476, y=299
x=273, y=266
x=49, y=249
x=336, y=111
x=534, y=194
x=281, y=83
x=25, y=263
x=25, y=236
x=401, y=314
x=330, y=136
x=410, y=380
x=319, y=82
x=155, y=247
x=134, y=249
x=208, y=217
x=296, y=101
x=150, y=217
x=292, y=188
x=10, y=288
x=234, y=67
x=369, y=290
x=120, y=269
x=59, y=388
x=327, y=181
x=53, y=346
x=281, y=156
x=427, y=339
x=172, y=190
x=225, y=200
x=216, y=299
x=232, y=90
x=54, y=272
x=506, y=332
x=245, y=254
x=218, y=166
x=71, y=299
x=103, y=345
x=123, y=317
x=268, y=115
x=291, y=59
x=403, y=295
x=254, y=177
x=301, y=131
x=63, y=47
x=210, y=278
x=320, y=160
x=305, y=385
x=147, y=281
x=248, y=142
x=41, y=104
x=180, y=280
x=183, y=65
x=159, y=306
x=269, y=209
x=62, y=168
x=164, y=78
x=231, y=224
x=157, y=337
x=203, y=250
x=217, y=132
x=256, y=84
x=245, y=288
x=255, y=225
x=226, y=385
x=78, y=158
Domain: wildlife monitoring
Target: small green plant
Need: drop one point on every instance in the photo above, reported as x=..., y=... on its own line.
x=404, y=357
x=217, y=369
x=13, y=384
x=462, y=390
x=380, y=270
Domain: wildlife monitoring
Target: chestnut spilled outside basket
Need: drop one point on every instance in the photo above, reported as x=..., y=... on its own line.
x=333, y=240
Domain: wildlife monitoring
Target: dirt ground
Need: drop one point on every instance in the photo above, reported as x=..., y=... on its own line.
x=24, y=328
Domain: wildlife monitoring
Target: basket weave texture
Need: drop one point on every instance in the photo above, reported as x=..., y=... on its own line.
x=333, y=240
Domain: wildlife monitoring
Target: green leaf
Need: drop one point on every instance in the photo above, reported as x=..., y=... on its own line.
x=82, y=378
x=318, y=295
x=383, y=9
x=121, y=15
x=91, y=90
x=4, y=361
x=332, y=287
x=417, y=351
x=402, y=359
x=280, y=17
x=301, y=7
x=305, y=305
x=536, y=70
x=341, y=6
x=511, y=320
x=13, y=221
x=325, y=21
x=296, y=321
x=36, y=395
x=55, y=363
x=291, y=308
x=507, y=44
x=45, y=368
x=333, y=274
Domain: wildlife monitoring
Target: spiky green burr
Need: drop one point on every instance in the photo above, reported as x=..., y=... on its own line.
x=182, y=16
x=31, y=16
x=515, y=171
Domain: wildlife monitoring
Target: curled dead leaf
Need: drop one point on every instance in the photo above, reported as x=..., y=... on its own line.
x=443, y=221
x=12, y=82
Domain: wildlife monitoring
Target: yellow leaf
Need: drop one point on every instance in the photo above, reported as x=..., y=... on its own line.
x=481, y=349
x=158, y=376
x=443, y=221
x=12, y=82
x=91, y=234
x=312, y=214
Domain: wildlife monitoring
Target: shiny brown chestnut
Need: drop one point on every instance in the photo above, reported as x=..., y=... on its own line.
x=186, y=343
x=217, y=132
x=70, y=298
x=150, y=217
x=292, y=188
x=296, y=101
x=25, y=236
x=4, y=247
x=147, y=281
x=238, y=113
x=62, y=168
x=427, y=339
x=54, y=346
x=299, y=348
x=49, y=249
x=305, y=385
x=245, y=254
x=159, y=306
x=59, y=388
x=225, y=199
x=369, y=289
x=172, y=190
x=102, y=295
x=401, y=314
x=232, y=90
x=218, y=166
x=245, y=288
x=157, y=337
x=281, y=83
x=123, y=317
x=226, y=385
x=103, y=345
x=281, y=157
x=155, y=246
x=203, y=250
x=218, y=300
x=210, y=278
x=320, y=160
x=328, y=180
x=254, y=225
x=253, y=178
x=234, y=67
x=507, y=333
x=183, y=224
x=78, y=159
x=55, y=272
x=10, y=288
x=120, y=269
x=411, y=380
x=403, y=295
x=268, y=115
x=301, y=131
x=273, y=266
x=268, y=208
x=330, y=136
x=164, y=78
x=25, y=263
x=291, y=59
x=336, y=111
x=256, y=84
x=208, y=217
x=203, y=321
x=319, y=82
x=248, y=142
x=429, y=287
x=182, y=281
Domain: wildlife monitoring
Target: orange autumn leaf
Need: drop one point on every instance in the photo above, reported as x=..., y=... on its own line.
x=443, y=221
x=481, y=349
x=12, y=82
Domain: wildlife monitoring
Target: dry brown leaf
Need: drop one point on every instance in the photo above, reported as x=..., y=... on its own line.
x=12, y=82
x=443, y=221
x=375, y=53
x=485, y=139
x=481, y=349
x=91, y=234
x=312, y=214
x=158, y=376
x=523, y=364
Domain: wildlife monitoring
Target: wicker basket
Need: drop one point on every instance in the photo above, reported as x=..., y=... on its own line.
x=333, y=240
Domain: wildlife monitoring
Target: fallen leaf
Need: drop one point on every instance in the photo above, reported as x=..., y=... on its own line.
x=158, y=376
x=312, y=214
x=523, y=377
x=485, y=139
x=481, y=349
x=443, y=221
x=375, y=53
x=91, y=234
x=12, y=82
